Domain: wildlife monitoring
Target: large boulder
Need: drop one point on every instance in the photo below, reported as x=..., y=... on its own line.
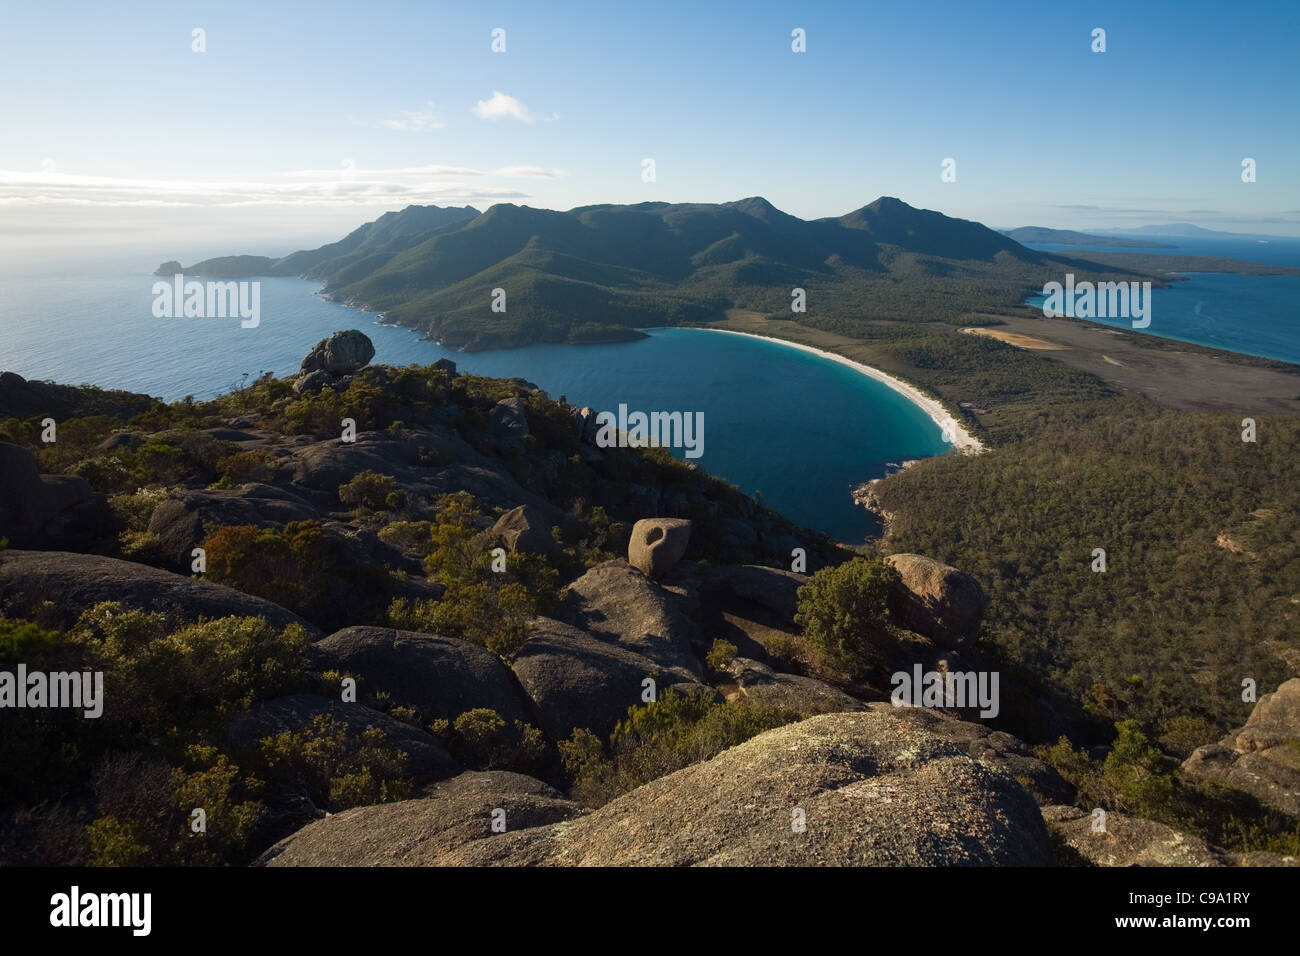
x=31, y=501
x=937, y=601
x=576, y=680
x=1263, y=757
x=340, y=354
x=617, y=603
x=1120, y=840
x=309, y=383
x=995, y=748
x=420, y=832
x=872, y=789
x=426, y=757
x=525, y=529
x=773, y=589
x=75, y=582
x=441, y=676
x=657, y=544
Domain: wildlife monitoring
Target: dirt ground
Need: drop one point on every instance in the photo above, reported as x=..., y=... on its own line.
x=1171, y=373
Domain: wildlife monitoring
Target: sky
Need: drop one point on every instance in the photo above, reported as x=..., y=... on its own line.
x=296, y=122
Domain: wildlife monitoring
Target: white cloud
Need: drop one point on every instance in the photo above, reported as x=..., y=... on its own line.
x=345, y=186
x=500, y=106
x=415, y=121
x=529, y=172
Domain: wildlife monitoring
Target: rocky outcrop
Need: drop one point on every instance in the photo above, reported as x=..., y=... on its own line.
x=755, y=681
x=426, y=757
x=575, y=680
x=657, y=544
x=993, y=747
x=1263, y=757
x=421, y=832
x=1120, y=840
x=617, y=603
x=319, y=468
x=76, y=582
x=863, y=789
x=341, y=354
x=937, y=601
x=22, y=399
x=525, y=529
x=508, y=423
x=31, y=501
x=183, y=523
x=441, y=676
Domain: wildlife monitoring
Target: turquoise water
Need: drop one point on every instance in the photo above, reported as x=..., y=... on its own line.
x=799, y=429
x=1257, y=315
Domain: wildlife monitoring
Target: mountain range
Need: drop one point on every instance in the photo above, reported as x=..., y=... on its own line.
x=601, y=273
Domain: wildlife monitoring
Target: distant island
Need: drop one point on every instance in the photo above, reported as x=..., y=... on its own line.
x=1068, y=237
x=1187, y=230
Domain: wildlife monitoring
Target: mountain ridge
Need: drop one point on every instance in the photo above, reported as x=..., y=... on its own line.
x=603, y=272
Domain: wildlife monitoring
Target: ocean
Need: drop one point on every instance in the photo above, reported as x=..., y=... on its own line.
x=1257, y=315
x=798, y=429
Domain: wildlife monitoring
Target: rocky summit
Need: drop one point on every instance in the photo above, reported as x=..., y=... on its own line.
x=873, y=788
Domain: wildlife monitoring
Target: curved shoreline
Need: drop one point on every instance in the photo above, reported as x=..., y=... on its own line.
x=964, y=441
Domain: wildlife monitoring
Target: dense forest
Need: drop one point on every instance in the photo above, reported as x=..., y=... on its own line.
x=1200, y=529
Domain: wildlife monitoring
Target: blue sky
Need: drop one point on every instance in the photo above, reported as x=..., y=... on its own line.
x=300, y=121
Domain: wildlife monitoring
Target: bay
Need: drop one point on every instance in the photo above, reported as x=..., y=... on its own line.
x=798, y=429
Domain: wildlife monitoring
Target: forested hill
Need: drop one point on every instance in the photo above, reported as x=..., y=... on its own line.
x=599, y=273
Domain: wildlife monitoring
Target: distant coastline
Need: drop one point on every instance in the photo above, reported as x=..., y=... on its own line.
x=964, y=441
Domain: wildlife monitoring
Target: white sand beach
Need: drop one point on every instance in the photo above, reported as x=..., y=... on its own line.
x=965, y=442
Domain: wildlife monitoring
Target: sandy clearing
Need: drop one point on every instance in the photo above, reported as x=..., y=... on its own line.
x=1017, y=339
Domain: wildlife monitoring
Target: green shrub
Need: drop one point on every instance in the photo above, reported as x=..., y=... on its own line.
x=24, y=642
x=481, y=739
x=490, y=608
x=299, y=568
x=242, y=467
x=182, y=684
x=135, y=509
x=334, y=768
x=784, y=651
x=410, y=536
x=1138, y=779
x=372, y=491
x=844, y=612
x=675, y=731
x=493, y=616
x=720, y=656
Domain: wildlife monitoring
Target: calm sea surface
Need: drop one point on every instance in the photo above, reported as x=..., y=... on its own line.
x=1257, y=315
